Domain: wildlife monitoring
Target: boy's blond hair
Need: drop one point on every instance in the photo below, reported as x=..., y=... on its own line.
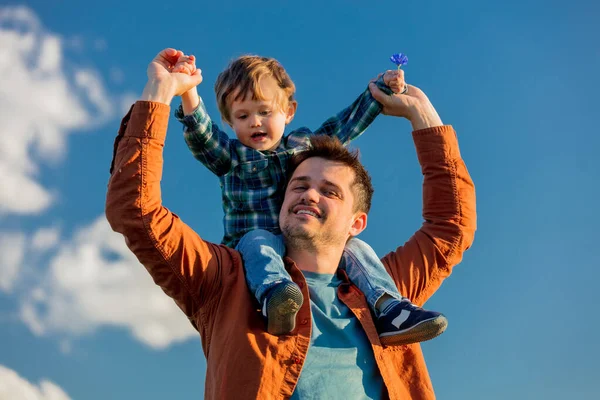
x=243, y=75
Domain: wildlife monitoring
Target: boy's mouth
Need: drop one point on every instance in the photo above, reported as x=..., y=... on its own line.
x=258, y=135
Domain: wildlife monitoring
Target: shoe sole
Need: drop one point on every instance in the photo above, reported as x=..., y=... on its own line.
x=282, y=309
x=423, y=331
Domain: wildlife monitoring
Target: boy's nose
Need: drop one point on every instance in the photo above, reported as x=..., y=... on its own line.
x=255, y=121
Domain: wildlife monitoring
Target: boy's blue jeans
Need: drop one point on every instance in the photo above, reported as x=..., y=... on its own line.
x=263, y=253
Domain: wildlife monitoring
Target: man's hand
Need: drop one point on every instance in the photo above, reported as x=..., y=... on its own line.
x=163, y=83
x=413, y=105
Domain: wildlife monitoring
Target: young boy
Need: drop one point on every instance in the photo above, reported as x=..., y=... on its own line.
x=255, y=96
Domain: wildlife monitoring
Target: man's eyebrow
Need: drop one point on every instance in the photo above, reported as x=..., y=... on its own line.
x=325, y=182
x=300, y=178
x=329, y=183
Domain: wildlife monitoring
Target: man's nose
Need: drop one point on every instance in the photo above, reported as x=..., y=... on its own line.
x=310, y=195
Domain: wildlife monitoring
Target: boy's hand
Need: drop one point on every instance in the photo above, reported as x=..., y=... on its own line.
x=185, y=64
x=163, y=83
x=190, y=99
x=394, y=79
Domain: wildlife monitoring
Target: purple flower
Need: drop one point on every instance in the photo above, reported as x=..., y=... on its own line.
x=399, y=59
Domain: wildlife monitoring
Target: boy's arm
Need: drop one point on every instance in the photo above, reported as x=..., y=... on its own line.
x=209, y=144
x=352, y=121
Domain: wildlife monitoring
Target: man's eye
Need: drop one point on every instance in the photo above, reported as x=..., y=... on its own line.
x=299, y=188
x=331, y=193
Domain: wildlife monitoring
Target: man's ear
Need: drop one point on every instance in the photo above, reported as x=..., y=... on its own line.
x=291, y=111
x=359, y=224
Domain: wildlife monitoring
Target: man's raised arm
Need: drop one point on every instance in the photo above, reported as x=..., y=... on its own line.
x=426, y=259
x=186, y=267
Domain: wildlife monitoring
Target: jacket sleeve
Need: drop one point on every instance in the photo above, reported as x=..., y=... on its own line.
x=427, y=258
x=187, y=268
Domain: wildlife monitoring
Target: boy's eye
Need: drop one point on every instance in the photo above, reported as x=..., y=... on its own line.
x=265, y=112
x=242, y=116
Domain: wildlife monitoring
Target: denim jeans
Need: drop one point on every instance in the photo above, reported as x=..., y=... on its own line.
x=263, y=252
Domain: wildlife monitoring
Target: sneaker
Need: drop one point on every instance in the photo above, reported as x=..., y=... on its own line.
x=405, y=323
x=280, y=307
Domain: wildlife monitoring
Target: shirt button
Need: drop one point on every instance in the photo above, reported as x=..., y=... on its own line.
x=253, y=169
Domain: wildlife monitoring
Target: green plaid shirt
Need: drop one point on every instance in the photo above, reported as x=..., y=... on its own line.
x=253, y=182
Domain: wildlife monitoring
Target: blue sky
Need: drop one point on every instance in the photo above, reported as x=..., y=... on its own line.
x=518, y=80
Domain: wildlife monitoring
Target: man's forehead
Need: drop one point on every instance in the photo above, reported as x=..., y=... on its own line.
x=323, y=171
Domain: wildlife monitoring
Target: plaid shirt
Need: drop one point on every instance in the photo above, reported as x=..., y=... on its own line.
x=253, y=182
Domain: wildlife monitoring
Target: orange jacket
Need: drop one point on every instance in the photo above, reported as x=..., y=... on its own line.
x=206, y=280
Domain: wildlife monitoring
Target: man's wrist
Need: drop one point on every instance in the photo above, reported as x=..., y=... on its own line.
x=158, y=91
x=424, y=117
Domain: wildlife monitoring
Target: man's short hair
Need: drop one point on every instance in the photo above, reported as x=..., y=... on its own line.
x=242, y=77
x=330, y=148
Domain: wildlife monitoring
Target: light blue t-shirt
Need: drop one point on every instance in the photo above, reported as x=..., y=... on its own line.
x=340, y=363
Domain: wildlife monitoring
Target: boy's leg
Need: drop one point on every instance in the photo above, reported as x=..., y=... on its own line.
x=268, y=281
x=398, y=320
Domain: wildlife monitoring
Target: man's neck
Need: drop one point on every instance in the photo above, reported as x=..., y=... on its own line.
x=323, y=260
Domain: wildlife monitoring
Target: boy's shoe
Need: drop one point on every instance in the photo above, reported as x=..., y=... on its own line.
x=280, y=307
x=405, y=323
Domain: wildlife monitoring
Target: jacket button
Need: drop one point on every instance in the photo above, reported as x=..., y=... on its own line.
x=297, y=360
x=301, y=284
x=304, y=321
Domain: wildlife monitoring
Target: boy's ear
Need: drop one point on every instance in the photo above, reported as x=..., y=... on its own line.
x=291, y=111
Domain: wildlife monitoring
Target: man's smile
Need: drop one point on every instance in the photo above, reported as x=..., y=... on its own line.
x=307, y=210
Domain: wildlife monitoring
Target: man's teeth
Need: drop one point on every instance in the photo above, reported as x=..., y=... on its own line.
x=308, y=212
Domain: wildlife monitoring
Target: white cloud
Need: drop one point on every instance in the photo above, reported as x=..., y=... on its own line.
x=74, y=285
x=40, y=105
x=94, y=280
x=45, y=238
x=12, y=252
x=14, y=387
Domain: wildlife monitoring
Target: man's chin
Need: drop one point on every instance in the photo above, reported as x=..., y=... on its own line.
x=298, y=232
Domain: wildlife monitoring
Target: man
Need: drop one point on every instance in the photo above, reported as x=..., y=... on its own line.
x=335, y=350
